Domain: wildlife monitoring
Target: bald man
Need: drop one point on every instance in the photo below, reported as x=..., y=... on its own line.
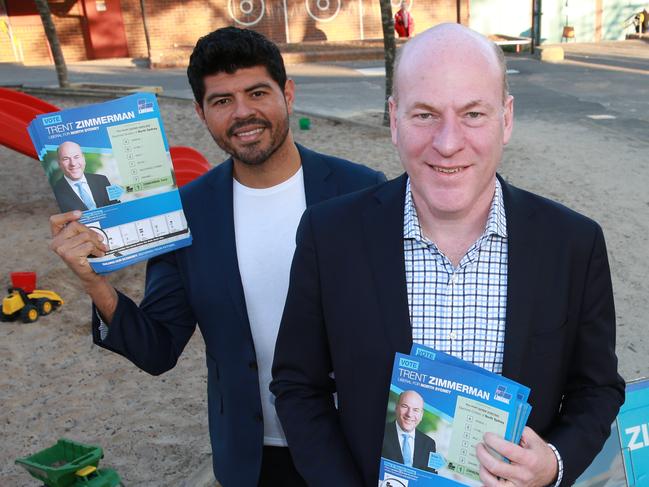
x=78, y=190
x=402, y=441
x=451, y=256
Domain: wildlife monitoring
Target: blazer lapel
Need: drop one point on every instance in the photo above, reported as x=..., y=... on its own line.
x=523, y=260
x=383, y=229
x=73, y=198
x=222, y=236
x=96, y=191
x=317, y=184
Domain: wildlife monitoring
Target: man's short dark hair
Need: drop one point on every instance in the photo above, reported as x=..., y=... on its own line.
x=229, y=49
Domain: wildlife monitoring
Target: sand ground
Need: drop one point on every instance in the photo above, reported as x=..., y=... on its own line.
x=55, y=383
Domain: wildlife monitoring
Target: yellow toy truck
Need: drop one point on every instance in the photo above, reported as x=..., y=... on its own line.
x=25, y=302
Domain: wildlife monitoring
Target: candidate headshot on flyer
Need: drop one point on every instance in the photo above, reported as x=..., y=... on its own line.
x=403, y=442
x=77, y=188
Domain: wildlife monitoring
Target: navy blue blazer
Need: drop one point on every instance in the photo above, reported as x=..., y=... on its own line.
x=69, y=200
x=346, y=315
x=201, y=284
x=424, y=446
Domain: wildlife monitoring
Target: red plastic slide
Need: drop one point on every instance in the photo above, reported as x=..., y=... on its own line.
x=17, y=110
x=188, y=164
x=25, y=99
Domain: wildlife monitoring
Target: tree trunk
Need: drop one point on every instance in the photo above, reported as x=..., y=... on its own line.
x=389, y=50
x=146, y=34
x=53, y=39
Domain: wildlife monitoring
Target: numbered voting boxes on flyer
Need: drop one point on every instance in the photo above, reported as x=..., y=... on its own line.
x=439, y=408
x=111, y=161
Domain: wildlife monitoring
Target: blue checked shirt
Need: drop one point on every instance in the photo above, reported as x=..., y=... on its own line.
x=460, y=311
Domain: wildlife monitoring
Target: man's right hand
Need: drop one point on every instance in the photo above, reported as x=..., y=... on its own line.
x=74, y=242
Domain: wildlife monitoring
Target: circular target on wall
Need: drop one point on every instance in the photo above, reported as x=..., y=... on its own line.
x=246, y=12
x=322, y=10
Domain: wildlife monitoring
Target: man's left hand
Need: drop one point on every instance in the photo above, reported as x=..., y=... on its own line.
x=533, y=463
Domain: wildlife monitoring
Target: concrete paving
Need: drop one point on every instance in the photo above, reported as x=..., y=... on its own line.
x=605, y=85
x=610, y=75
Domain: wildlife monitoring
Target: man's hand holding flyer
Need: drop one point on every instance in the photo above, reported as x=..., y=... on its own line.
x=111, y=160
x=439, y=409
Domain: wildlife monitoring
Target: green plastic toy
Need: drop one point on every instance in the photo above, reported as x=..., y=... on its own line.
x=70, y=464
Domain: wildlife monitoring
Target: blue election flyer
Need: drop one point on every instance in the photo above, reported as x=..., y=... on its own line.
x=439, y=408
x=111, y=161
x=633, y=429
x=525, y=409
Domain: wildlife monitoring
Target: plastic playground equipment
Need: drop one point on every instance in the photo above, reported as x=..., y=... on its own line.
x=188, y=164
x=70, y=464
x=18, y=109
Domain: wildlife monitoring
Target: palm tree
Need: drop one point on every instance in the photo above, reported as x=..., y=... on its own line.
x=53, y=39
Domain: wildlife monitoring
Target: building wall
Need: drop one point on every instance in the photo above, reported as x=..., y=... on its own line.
x=616, y=14
x=29, y=36
x=175, y=26
x=579, y=14
x=593, y=20
x=134, y=28
x=501, y=17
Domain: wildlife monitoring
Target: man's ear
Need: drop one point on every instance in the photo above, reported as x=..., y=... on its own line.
x=508, y=119
x=199, y=111
x=289, y=94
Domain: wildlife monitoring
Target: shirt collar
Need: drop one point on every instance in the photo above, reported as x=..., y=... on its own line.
x=73, y=182
x=401, y=432
x=496, y=220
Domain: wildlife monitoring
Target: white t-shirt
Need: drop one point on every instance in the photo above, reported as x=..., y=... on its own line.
x=265, y=222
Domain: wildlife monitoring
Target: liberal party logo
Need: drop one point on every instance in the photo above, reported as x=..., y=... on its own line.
x=144, y=106
x=502, y=395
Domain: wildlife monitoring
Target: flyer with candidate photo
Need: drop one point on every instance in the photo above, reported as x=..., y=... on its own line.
x=439, y=408
x=111, y=161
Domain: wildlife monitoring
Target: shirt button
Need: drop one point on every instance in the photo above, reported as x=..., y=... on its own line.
x=452, y=335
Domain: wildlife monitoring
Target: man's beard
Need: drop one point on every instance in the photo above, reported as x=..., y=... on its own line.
x=254, y=154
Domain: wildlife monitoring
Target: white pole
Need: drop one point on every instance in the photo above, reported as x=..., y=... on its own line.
x=360, y=15
x=288, y=37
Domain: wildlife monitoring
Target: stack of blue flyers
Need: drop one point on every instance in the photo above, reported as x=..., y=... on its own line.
x=439, y=409
x=111, y=161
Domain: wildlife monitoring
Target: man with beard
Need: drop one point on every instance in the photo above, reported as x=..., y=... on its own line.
x=233, y=279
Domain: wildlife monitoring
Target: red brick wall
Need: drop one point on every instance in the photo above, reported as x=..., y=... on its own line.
x=134, y=27
x=28, y=31
x=175, y=26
